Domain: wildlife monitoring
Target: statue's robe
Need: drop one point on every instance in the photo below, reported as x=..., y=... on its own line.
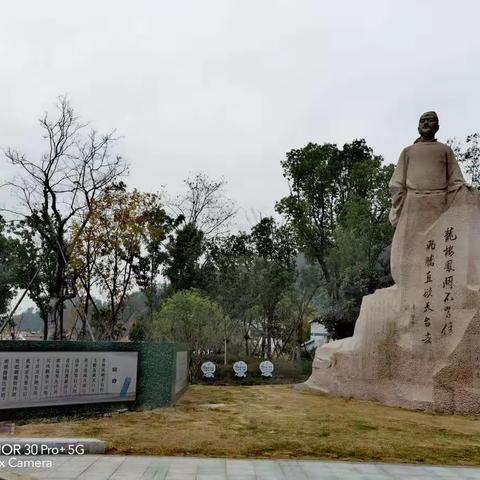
x=425, y=182
x=417, y=343
x=423, y=167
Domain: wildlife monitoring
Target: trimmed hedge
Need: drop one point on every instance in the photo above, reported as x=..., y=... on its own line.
x=284, y=372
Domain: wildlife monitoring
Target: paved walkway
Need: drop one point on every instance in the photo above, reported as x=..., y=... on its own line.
x=104, y=467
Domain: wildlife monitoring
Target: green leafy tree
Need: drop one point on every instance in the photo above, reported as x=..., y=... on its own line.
x=8, y=266
x=139, y=309
x=141, y=330
x=299, y=306
x=250, y=275
x=338, y=208
x=121, y=228
x=34, y=267
x=274, y=273
x=192, y=318
x=153, y=256
x=183, y=266
x=232, y=285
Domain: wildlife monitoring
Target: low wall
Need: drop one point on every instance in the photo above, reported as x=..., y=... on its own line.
x=162, y=375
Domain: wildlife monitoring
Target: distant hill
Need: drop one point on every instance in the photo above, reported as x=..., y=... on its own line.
x=30, y=319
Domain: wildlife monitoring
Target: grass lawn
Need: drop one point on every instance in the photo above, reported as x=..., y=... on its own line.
x=278, y=421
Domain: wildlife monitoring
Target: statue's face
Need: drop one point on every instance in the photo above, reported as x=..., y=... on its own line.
x=428, y=125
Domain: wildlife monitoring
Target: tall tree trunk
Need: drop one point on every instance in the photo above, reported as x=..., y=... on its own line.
x=299, y=339
x=246, y=337
x=55, y=311
x=269, y=337
x=264, y=337
x=44, y=316
x=85, y=317
x=87, y=286
x=60, y=318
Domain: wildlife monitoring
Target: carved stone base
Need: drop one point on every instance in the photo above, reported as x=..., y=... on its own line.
x=417, y=344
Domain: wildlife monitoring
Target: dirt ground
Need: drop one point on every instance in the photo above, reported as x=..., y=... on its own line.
x=279, y=421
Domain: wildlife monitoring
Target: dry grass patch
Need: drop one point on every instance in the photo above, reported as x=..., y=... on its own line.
x=280, y=421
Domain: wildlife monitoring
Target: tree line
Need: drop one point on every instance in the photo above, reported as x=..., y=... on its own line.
x=80, y=240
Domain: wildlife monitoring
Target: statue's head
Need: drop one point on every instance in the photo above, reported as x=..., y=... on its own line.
x=428, y=125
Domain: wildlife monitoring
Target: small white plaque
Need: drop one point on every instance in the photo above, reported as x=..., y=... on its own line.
x=240, y=368
x=208, y=369
x=266, y=368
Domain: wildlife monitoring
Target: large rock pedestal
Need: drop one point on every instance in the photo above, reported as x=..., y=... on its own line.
x=417, y=344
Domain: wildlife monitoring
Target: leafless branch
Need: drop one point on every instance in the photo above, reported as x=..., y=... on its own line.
x=59, y=189
x=205, y=205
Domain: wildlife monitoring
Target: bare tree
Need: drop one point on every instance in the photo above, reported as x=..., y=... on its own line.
x=59, y=190
x=205, y=205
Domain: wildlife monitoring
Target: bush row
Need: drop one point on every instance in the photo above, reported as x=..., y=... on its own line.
x=285, y=371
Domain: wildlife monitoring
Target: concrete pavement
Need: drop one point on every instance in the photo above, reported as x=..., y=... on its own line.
x=109, y=467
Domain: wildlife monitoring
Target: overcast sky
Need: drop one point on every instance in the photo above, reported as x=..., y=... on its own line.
x=228, y=86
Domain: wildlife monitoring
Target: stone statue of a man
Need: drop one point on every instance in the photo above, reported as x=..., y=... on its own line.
x=416, y=343
x=426, y=166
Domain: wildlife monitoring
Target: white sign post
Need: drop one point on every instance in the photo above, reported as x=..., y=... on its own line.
x=266, y=368
x=240, y=368
x=208, y=369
